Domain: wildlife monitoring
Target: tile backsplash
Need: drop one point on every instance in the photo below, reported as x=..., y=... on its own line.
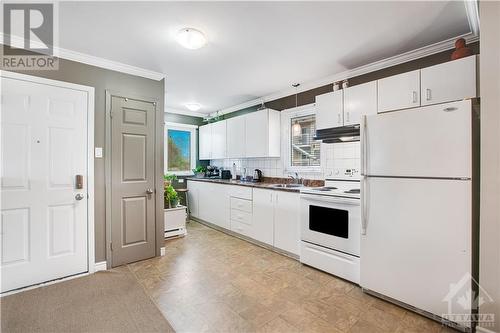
x=335, y=160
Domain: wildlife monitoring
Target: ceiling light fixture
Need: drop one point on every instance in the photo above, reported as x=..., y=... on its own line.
x=191, y=38
x=193, y=106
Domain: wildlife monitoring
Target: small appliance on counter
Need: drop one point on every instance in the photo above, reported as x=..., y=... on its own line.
x=225, y=174
x=212, y=172
x=257, y=175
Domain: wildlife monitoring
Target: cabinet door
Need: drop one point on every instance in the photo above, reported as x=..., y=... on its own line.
x=451, y=81
x=205, y=142
x=330, y=110
x=287, y=221
x=219, y=140
x=193, y=197
x=236, y=137
x=399, y=91
x=214, y=204
x=358, y=101
x=256, y=134
x=263, y=216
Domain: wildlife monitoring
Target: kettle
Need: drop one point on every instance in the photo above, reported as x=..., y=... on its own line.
x=257, y=175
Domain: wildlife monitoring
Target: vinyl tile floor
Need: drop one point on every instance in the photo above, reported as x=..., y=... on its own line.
x=209, y=281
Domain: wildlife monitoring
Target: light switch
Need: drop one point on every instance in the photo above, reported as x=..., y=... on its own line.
x=98, y=152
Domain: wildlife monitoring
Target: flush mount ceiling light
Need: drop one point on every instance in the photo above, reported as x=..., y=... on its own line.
x=193, y=106
x=191, y=38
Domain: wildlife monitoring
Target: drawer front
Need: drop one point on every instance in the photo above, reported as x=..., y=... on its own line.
x=241, y=204
x=241, y=192
x=241, y=228
x=240, y=216
x=333, y=262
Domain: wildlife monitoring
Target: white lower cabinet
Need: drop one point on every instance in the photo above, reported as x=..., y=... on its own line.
x=213, y=203
x=287, y=221
x=263, y=215
x=276, y=219
x=193, y=197
x=268, y=216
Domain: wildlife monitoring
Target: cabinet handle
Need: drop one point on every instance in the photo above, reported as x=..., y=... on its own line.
x=415, y=97
x=347, y=116
x=338, y=118
x=428, y=94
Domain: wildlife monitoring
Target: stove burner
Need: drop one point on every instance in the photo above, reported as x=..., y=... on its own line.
x=354, y=191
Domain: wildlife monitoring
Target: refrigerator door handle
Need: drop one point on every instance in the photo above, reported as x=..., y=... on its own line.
x=364, y=195
x=363, y=145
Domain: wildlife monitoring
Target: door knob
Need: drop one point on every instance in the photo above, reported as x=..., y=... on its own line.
x=149, y=191
x=79, y=196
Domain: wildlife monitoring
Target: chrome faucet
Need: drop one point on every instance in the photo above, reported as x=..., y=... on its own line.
x=296, y=179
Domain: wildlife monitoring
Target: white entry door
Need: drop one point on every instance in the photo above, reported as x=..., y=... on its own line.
x=44, y=225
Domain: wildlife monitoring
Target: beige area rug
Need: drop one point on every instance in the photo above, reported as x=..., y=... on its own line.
x=110, y=301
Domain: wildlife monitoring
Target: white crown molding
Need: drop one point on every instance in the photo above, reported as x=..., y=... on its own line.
x=185, y=112
x=95, y=61
x=372, y=67
x=472, y=10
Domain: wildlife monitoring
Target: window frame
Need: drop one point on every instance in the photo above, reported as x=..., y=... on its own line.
x=286, y=118
x=193, y=149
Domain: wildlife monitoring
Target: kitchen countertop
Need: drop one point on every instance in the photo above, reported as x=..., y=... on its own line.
x=266, y=184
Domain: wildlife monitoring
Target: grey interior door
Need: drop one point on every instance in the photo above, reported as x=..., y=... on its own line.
x=132, y=177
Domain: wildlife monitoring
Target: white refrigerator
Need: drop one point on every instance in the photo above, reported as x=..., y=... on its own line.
x=417, y=204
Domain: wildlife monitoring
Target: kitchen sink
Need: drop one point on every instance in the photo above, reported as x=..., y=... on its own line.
x=287, y=185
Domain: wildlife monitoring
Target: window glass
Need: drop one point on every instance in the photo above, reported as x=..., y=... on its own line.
x=304, y=150
x=179, y=151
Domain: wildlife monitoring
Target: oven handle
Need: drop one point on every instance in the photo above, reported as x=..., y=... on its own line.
x=329, y=199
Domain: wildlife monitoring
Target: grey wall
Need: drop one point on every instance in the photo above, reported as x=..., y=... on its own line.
x=489, y=258
x=102, y=79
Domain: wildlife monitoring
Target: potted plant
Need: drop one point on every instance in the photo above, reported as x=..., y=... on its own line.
x=168, y=178
x=199, y=171
x=171, y=197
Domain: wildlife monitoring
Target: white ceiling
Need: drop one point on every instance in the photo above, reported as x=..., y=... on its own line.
x=254, y=48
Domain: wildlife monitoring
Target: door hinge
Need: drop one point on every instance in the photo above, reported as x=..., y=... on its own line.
x=111, y=246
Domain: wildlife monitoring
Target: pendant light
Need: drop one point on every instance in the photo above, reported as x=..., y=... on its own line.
x=296, y=128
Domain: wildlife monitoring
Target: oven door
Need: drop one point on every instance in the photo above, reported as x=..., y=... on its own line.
x=332, y=222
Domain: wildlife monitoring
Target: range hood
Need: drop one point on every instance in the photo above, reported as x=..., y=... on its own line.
x=338, y=134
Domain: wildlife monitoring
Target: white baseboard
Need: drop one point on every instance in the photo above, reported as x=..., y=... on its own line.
x=162, y=251
x=100, y=266
x=480, y=329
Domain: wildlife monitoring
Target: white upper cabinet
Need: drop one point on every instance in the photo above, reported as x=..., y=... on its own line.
x=451, y=81
x=358, y=101
x=218, y=140
x=262, y=134
x=236, y=137
x=205, y=142
x=330, y=110
x=399, y=91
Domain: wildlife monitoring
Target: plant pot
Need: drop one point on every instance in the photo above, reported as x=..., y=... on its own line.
x=173, y=203
x=199, y=175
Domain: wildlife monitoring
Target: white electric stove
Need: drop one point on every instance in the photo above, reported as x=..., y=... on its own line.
x=331, y=227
